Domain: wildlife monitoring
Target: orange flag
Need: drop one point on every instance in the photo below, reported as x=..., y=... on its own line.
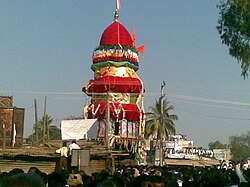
x=140, y=49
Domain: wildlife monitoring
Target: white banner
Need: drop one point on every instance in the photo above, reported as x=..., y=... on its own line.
x=79, y=129
x=180, y=144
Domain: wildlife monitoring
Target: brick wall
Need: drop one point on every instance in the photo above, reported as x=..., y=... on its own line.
x=95, y=166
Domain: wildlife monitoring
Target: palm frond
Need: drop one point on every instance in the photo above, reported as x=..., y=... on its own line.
x=160, y=124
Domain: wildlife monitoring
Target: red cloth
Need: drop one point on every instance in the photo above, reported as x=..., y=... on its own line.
x=115, y=84
x=132, y=112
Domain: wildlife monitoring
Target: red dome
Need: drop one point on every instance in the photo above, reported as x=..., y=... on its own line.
x=111, y=36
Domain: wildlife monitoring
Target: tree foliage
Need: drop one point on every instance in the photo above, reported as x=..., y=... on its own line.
x=37, y=136
x=154, y=119
x=240, y=146
x=217, y=145
x=234, y=29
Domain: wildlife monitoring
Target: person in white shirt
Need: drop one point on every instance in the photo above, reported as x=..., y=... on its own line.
x=72, y=146
x=240, y=173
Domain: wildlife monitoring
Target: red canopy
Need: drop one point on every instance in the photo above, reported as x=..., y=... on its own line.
x=115, y=84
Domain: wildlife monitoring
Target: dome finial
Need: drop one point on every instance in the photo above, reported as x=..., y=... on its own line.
x=116, y=15
x=118, y=7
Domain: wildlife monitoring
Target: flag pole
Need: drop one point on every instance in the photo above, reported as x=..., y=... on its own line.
x=116, y=19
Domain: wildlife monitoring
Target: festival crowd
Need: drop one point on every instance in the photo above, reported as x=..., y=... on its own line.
x=132, y=176
x=227, y=174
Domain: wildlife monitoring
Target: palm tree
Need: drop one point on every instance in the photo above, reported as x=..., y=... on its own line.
x=52, y=133
x=160, y=123
x=44, y=124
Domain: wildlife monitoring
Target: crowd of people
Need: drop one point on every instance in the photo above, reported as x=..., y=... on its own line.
x=131, y=176
x=227, y=174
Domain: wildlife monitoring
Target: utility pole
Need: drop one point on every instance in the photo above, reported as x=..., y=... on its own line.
x=44, y=119
x=36, y=121
x=161, y=122
x=107, y=133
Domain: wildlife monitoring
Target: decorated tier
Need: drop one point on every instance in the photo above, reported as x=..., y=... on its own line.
x=116, y=89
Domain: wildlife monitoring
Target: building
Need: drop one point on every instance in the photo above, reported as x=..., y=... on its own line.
x=11, y=123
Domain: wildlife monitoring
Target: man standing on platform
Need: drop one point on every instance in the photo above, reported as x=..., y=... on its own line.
x=64, y=156
x=72, y=146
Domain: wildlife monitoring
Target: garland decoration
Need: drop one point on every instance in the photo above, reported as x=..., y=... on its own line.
x=107, y=47
x=94, y=111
